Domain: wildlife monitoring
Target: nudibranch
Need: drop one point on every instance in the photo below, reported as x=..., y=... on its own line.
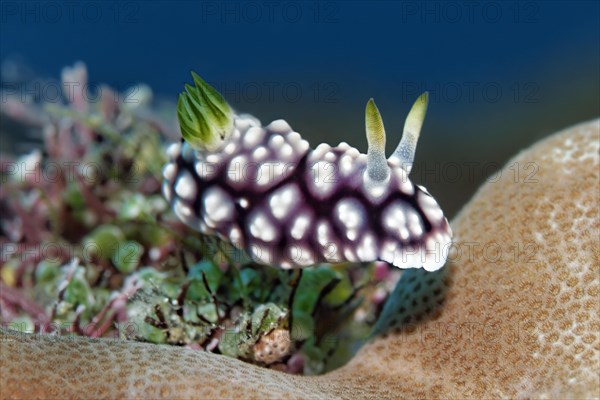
x=266, y=191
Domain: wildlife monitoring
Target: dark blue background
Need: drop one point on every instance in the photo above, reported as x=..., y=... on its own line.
x=501, y=74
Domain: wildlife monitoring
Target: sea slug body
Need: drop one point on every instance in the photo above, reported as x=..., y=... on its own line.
x=266, y=191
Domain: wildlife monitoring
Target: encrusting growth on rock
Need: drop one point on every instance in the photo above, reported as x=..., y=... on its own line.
x=513, y=314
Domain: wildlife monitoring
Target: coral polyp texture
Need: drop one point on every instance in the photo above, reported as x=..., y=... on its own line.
x=266, y=191
x=521, y=322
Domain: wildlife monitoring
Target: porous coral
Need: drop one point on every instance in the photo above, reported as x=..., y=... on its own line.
x=513, y=314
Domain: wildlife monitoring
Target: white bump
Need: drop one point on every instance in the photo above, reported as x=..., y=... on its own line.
x=404, y=233
x=183, y=211
x=395, y=219
x=253, y=136
x=300, y=255
x=323, y=177
x=235, y=236
x=346, y=165
x=323, y=233
x=349, y=255
x=430, y=208
x=169, y=171
x=167, y=191
x=260, y=254
x=393, y=216
x=260, y=153
x=300, y=226
x=343, y=146
x=268, y=173
x=436, y=251
x=205, y=170
x=282, y=200
x=213, y=158
x=330, y=156
x=416, y=229
x=230, y=148
x=173, y=150
x=236, y=166
x=426, y=201
x=331, y=252
x=279, y=126
x=265, y=175
x=293, y=138
x=243, y=202
x=432, y=255
x=217, y=206
x=408, y=257
x=320, y=150
x=349, y=213
x=245, y=121
x=261, y=227
x=202, y=227
x=352, y=152
x=276, y=141
x=303, y=146
x=366, y=250
x=256, y=252
x=185, y=186
x=236, y=135
x=414, y=223
x=406, y=186
x=351, y=234
x=399, y=259
x=286, y=151
x=242, y=124
x=387, y=253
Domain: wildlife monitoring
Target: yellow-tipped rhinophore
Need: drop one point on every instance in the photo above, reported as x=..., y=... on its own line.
x=405, y=152
x=377, y=168
x=374, y=127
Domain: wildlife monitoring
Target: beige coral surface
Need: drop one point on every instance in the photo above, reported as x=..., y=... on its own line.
x=513, y=314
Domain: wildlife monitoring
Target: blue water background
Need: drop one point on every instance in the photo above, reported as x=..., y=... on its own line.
x=502, y=74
